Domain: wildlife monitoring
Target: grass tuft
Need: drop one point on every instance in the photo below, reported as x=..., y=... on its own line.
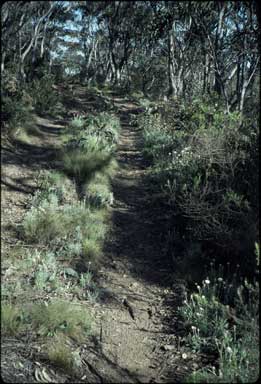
x=61, y=355
x=61, y=317
x=11, y=320
x=82, y=164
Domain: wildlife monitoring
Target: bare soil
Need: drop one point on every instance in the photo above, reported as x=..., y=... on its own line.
x=137, y=331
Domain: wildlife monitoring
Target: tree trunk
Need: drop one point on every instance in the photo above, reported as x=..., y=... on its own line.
x=171, y=70
x=206, y=73
x=3, y=62
x=242, y=97
x=218, y=84
x=246, y=83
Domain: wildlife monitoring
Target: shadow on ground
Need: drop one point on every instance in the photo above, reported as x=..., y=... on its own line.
x=137, y=236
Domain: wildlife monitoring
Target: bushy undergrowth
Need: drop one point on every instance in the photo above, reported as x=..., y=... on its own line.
x=73, y=229
x=207, y=166
x=205, y=163
x=16, y=103
x=223, y=317
x=51, y=223
x=60, y=317
x=11, y=324
x=61, y=231
x=47, y=319
x=53, y=183
x=61, y=355
x=19, y=101
x=97, y=193
x=43, y=273
x=44, y=97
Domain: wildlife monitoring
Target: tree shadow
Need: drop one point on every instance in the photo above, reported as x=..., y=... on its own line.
x=137, y=229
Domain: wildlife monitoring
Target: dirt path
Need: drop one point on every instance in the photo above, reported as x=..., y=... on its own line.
x=138, y=331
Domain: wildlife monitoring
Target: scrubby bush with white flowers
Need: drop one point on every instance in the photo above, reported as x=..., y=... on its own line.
x=205, y=163
x=225, y=324
x=208, y=171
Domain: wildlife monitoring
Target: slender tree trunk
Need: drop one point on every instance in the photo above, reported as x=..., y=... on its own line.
x=206, y=73
x=218, y=85
x=246, y=83
x=3, y=62
x=171, y=71
x=238, y=82
x=242, y=97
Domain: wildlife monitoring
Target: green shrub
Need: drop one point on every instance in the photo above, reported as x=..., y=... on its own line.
x=45, y=270
x=60, y=317
x=98, y=195
x=16, y=103
x=44, y=223
x=231, y=331
x=110, y=171
x=50, y=222
x=91, y=251
x=11, y=319
x=44, y=97
x=82, y=164
x=104, y=126
x=158, y=144
x=208, y=172
x=52, y=183
x=89, y=145
x=76, y=124
x=15, y=112
x=60, y=354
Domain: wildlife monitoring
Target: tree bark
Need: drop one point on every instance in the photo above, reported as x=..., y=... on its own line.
x=171, y=69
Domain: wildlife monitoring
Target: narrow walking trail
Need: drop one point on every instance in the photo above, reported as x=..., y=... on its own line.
x=138, y=335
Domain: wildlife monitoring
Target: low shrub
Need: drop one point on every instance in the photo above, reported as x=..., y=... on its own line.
x=11, y=320
x=51, y=223
x=82, y=164
x=76, y=124
x=14, y=109
x=98, y=195
x=47, y=319
x=44, y=223
x=208, y=172
x=60, y=317
x=44, y=272
x=229, y=330
x=105, y=127
x=89, y=144
x=61, y=355
x=91, y=252
x=52, y=183
x=43, y=95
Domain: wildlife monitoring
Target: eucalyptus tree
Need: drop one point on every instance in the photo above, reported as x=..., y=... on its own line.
x=182, y=49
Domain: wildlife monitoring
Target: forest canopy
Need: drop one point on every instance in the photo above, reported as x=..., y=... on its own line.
x=162, y=48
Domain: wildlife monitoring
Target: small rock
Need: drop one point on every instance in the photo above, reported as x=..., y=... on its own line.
x=168, y=347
